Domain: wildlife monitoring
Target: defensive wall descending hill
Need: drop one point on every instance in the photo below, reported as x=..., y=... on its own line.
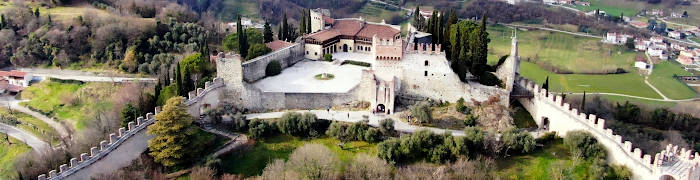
x=552, y=114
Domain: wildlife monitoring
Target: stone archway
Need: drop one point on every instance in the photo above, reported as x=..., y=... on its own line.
x=666, y=177
x=381, y=108
x=345, y=48
x=545, y=123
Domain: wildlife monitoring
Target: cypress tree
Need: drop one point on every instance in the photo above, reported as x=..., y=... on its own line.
x=583, y=102
x=187, y=80
x=3, y=23
x=417, y=18
x=178, y=81
x=241, y=36
x=302, y=23
x=546, y=84
x=308, y=21
x=267, y=33
x=156, y=92
x=280, y=33
x=285, y=28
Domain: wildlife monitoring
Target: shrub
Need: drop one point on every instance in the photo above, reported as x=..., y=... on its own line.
x=547, y=137
x=520, y=142
x=202, y=173
x=470, y=120
x=489, y=79
x=386, y=126
x=293, y=123
x=259, y=128
x=390, y=150
x=460, y=107
x=314, y=161
x=273, y=68
x=584, y=144
x=256, y=50
x=357, y=63
x=368, y=167
x=328, y=57
x=422, y=112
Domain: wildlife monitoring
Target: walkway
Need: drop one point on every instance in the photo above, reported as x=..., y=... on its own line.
x=356, y=116
x=83, y=76
x=14, y=104
x=28, y=138
x=120, y=157
x=236, y=141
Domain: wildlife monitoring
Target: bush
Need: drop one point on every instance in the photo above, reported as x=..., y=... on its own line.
x=489, y=79
x=386, y=126
x=470, y=120
x=422, y=112
x=460, y=107
x=547, y=137
x=584, y=144
x=357, y=63
x=273, y=68
x=256, y=50
x=293, y=123
x=328, y=57
x=260, y=128
x=423, y=144
x=368, y=167
x=520, y=142
x=360, y=131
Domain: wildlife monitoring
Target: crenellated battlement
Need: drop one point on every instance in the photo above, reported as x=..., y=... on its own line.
x=209, y=86
x=424, y=48
x=105, y=147
x=625, y=153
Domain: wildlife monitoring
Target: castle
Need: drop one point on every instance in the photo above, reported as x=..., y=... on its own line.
x=401, y=69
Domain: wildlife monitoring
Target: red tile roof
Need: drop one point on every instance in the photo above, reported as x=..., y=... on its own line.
x=277, y=44
x=324, y=35
x=348, y=27
x=382, y=31
x=328, y=20
x=13, y=73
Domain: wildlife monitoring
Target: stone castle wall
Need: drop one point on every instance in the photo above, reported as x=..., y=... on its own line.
x=254, y=69
x=97, y=153
x=561, y=118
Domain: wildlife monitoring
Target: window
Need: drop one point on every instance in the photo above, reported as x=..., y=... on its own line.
x=425, y=73
x=315, y=53
x=307, y=52
x=368, y=49
x=426, y=62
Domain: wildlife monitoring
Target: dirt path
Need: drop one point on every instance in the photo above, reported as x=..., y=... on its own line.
x=14, y=105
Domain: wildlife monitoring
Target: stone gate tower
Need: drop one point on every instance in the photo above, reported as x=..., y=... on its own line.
x=511, y=67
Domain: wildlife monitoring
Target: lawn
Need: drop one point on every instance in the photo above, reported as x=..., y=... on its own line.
x=8, y=154
x=375, y=13
x=610, y=7
x=541, y=163
x=72, y=102
x=35, y=126
x=232, y=8
x=253, y=161
x=562, y=51
x=662, y=79
x=627, y=83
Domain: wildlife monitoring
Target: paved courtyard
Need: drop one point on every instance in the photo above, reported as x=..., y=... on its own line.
x=364, y=57
x=300, y=78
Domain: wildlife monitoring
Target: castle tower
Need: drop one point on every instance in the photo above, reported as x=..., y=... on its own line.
x=511, y=67
x=317, y=22
x=228, y=68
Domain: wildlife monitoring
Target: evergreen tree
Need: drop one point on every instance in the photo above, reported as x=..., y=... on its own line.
x=302, y=23
x=129, y=113
x=242, y=40
x=167, y=77
x=285, y=28
x=583, y=102
x=308, y=21
x=480, y=48
x=173, y=132
x=187, y=79
x=546, y=84
x=156, y=91
x=418, y=19
x=178, y=81
x=3, y=22
x=280, y=33
x=267, y=33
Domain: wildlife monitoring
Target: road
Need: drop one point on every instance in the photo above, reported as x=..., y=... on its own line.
x=639, y=97
x=26, y=137
x=556, y=30
x=356, y=116
x=14, y=105
x=83, y=76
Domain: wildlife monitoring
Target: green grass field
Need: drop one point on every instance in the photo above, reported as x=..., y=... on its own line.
x=541, y=163
x=232, y=8
x=662, y=79
x=562, y=51
x=70, y=102
x=35, y=126
x=375, y=13
x=628, y=83
x=8, y=154
x=610, y=7
x=253, y=161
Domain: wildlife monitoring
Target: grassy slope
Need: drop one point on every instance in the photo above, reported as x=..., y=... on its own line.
x=375, y=13
x=35, y=126
x=253, y=162
x=628, y=83
x=564, y=51
x=232, y=8
x=49, y=96
x=8, y=154
x=539, y=164
x=611, y=7
x=662, y=79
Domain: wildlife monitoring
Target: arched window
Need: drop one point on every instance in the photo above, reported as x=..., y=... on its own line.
x=425, y=73
x=426, y=62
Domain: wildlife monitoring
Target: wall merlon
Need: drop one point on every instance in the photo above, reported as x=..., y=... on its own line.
x=601, y=124
x=609, y=133
x=42, y=177
x=122, y=131
x=647, y=159
x=627, y=146
x=149, y=116
x=53, y=174
x=200, y=91
x=574, y=111
x=657, y=159
x=84, y=157
x=207, y=84
x=62, y=168
x=139, y=120
x=618, y=139
x=94, y=151
x=103, y=145
x=112, y=138
x=73, y=162
x=558, y=100
x=592, y=119
x=191, y=95
x=637, y=153
x=156, y=110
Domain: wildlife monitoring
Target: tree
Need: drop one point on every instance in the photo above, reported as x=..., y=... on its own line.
x=285, y=28
x=418, y=19
x=267, y=33
x=584, y=144
x=242, y=41
x=280, y=33
x=368, y=167
x=308, y=21
x=546, y=84
x=257, y=50
x=36, y=12
x=422, y=112
x=3, y=22
x=178, y=81
x=129, y=113
x=273, y=68
x=583, y=102
x=302, y=22
x=386, y=126
x=172, y=133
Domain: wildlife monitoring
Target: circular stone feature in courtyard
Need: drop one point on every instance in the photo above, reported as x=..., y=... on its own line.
x=324, y=76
